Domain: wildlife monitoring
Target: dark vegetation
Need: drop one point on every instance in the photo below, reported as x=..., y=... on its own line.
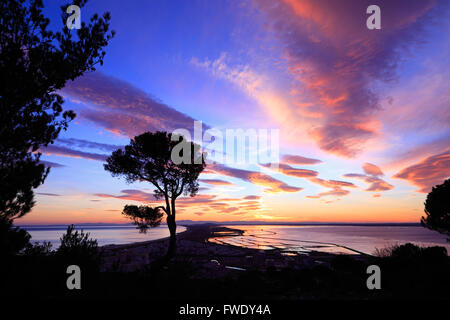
x=152, y=157
x=407, y=272
x=36, y=62
x=37, y=271
x=437, y=209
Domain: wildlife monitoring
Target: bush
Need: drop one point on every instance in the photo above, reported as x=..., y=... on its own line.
x=406, y=251
x=437, y=209
x=410, y=251
x=13, y=240
x=437, y=255
x=38, y=249
x=384, y=252
x=76, y=248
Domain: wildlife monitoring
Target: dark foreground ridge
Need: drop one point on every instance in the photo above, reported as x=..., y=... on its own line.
x=210, y=260
x=205, y=271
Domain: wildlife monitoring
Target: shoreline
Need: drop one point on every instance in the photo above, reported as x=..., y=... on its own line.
x=210, y=259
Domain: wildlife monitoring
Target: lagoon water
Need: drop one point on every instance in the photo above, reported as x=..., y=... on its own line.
x=332, y=238
x=326, y=238
x=105, y=234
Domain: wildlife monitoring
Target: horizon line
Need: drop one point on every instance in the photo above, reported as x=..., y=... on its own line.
x=193, y=222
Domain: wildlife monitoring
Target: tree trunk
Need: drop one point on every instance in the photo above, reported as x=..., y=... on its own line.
x=173, y=235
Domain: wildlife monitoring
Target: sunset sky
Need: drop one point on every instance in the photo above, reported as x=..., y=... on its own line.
x=363, y=115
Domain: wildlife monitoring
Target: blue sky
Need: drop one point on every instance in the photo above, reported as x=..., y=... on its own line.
x=337, y=92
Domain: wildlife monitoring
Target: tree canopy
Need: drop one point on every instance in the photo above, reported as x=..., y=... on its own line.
x=148, y=157
x=154, y=157
x=143, y=216
x=36, y=62
x=437, y=208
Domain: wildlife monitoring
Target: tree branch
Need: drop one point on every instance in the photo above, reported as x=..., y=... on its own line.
x=161, y=207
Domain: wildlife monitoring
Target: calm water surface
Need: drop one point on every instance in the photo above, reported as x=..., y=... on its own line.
x=104, y=234
x=338, y=239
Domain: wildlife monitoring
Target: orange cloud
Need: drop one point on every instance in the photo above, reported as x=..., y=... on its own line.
x=427, y=173
x=298, y=160
x=372, y=169
x=216, y=182
x=335, y=192
x=375, y=184
x=335, y=185
x=332, y=183
x=67, y=152
x=252, y=197
x=273, y=185
x=335, y=60
x=131, y=194
x=295, y=172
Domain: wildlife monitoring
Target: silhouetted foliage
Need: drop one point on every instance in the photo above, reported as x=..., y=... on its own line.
x=38, y=249
x=406, y=251
x=35, y=63
x=437, y=209
x=409, y=251
x=143, y=216
x=414, y=272
x=12, y=239
x=77, y=248
x=148, y=157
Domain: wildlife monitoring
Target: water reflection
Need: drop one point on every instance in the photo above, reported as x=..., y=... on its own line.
x=331, y=239
x=104, y=234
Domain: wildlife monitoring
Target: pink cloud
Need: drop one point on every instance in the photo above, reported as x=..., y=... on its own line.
x=121, y=108
x=216, y=182
x=372, y=169
x=252, y=197
x=338, y=192
x=335, y=59
x=198, y=204
x=418, y=152
x=298, y=160
x=295, y=172
x=67, y=152
x=311, y=175
x=52, y=164
x=273, y=185
x=332, y=183
x=427, y=173
x=375, y=184
x=130, y=194
x=335, y=185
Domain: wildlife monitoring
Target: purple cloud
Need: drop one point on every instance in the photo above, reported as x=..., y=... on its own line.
x=335, y=61
x=122, y=108
x=67, y=152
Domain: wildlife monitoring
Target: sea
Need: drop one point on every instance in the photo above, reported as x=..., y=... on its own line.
x=350, y=239
x=105, y=234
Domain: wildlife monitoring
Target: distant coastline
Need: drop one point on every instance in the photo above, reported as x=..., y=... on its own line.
x=247, y=223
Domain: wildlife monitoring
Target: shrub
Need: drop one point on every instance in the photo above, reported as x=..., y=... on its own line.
x=37, y=249
x=437, y=255
x=13, y=240
x=406, y=251
x=77, y=248
x=437, y=209
x=410, y=251
x=384, y=252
